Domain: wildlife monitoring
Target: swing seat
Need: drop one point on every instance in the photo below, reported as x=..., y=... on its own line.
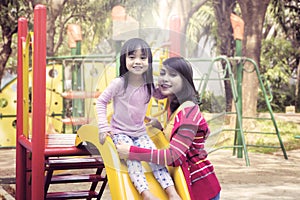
x=120, y=185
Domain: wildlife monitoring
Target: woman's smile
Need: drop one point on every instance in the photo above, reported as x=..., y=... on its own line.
x=170, y=82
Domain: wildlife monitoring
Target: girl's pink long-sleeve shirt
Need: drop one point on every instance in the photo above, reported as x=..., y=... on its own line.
x=129, y=109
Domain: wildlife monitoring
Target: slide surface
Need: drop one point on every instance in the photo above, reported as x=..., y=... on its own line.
x=120, y=185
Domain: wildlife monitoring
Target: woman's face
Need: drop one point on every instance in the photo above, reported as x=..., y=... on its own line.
x=169, y=81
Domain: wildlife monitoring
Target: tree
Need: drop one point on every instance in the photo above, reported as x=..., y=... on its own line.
x=225, y=40
x=287, y=14
x=54, y=10
x=201, y=26
x=253, y=14
x=91, y=15
x=277, y=70
x=280, y=54
x=10, y=11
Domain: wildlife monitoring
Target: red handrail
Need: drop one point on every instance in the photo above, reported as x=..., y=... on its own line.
x=39, y=102
x=20, y=151
x=37, y=144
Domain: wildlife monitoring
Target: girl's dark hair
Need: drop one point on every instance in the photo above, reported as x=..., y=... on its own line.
x=185, y=70
x=129, y=48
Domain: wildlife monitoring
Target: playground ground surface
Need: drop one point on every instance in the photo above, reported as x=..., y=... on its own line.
x=269, y=176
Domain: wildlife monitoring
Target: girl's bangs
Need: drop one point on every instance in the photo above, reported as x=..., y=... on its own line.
x=132, y=49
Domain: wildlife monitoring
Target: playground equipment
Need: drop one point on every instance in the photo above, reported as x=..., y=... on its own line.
x=119, y=182
x=67, y=107
x=38, y=154
x=9, y=101
x=61, y=115
x=8, y=116
x=240, y=145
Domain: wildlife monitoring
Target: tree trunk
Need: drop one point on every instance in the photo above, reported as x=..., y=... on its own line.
x=4, y=55
x=8, y=28
x=54, y=10
x=297, y=92
x=253, y=14
x=223, y=9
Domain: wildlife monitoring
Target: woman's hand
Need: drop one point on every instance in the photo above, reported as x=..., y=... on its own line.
x=151, y=121
x=102, y=136
x=123, y=150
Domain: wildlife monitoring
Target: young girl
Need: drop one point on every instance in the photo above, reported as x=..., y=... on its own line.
x=131, y=93
x=186, y=129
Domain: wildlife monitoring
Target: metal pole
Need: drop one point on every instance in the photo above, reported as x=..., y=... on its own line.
x=20, y=151
x=175, y=37
x=239, y=78
x=77, y=84
x=39, y=102
x=238, y=33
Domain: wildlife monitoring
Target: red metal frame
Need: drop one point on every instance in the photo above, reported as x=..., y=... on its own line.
x=37, y=145
x=20, y=151
x=39, y=102
x=175, y=36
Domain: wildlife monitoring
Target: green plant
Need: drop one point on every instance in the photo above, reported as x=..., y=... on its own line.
x=212, y=104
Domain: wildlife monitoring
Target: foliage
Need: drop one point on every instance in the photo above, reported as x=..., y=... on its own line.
x=287, y=14
x=281, y=52
x=202, y=25
x=212, y=104
x=134, y=10
x=10, y=11
x=95, y=21
x=285, y=17
x=275, y=66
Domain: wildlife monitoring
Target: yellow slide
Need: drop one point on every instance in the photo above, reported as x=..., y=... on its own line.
x=120, y=185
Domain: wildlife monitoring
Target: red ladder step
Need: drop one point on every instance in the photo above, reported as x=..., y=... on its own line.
x=71, y=163
x=77, y=178
x=71, y=195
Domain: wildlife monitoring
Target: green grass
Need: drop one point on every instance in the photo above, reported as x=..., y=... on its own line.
x=287, y=130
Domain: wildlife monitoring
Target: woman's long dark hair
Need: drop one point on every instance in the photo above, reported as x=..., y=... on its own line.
x=129, y=48
x=185, y=70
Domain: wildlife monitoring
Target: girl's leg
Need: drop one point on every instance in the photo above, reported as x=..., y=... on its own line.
x=135, y=169
x=160, y=172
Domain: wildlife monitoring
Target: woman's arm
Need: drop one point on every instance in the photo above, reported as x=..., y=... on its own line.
x=180, y=142
x=174, y=155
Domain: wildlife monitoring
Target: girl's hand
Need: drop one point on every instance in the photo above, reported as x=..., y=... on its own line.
x=151, y=121
x=123, y=150
x=102, y=136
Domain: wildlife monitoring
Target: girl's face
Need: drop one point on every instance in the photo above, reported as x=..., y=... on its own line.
x=169, y=81
x=137, y=62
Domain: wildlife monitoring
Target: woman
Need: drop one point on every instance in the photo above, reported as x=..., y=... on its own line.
x=186, y=130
